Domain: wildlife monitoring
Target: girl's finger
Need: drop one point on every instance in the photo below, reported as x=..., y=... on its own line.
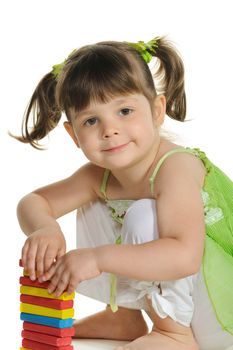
x=62, y=284
x=55, y=279
x=53, y=285
x=31, y=261
x=71, y=286
x=40, y=269
x=49, y=258
x=48, y=274
x=24, y=255
x=51, y=271
x=60, y=253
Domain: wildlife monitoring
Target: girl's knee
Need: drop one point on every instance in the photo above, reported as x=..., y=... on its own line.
x=140, y=222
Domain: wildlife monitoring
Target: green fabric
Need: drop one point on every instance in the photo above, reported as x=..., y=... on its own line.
x=218, y=255
x=104, y=183
x=217, y=194
x=57, y=68
x=146, y=50
x=113, y=285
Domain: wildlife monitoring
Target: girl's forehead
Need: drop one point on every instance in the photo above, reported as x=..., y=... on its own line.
x=112, y=102
x=118, y=100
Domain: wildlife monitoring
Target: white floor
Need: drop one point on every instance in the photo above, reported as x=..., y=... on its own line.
x=90, y=344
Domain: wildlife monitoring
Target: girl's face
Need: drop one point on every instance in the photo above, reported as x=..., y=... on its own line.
x=118, y=133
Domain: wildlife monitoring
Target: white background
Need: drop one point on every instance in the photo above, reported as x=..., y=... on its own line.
x=38, y=34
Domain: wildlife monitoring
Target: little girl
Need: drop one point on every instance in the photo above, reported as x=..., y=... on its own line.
x=154, y=222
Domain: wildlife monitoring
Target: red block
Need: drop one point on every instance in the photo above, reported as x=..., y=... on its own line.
x=46, y=339
x=53, y=303
x=30, y=344
x=59, y=332
x=26, y=281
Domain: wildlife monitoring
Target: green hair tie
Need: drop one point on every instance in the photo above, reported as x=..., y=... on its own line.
x=146, y=50
x=57, y=68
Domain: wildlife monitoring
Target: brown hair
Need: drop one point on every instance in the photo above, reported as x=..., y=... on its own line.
x=96, y=73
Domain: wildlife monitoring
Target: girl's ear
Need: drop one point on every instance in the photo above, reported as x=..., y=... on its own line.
x=69, y=129
x=159, y=110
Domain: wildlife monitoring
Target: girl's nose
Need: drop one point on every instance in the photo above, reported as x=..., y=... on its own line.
x=110, y=130
x=109, y=134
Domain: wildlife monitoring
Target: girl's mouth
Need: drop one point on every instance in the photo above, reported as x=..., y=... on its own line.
x=116, y=148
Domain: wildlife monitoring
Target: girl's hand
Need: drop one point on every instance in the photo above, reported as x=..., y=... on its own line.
x=72, y=268
x=40, y=250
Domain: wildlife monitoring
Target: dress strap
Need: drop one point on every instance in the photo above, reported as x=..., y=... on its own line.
x=161, y=161
x=104, y=183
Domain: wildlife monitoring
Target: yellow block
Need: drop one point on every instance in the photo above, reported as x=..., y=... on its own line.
x=24, y=349
x=46, y=311
x=41, y=292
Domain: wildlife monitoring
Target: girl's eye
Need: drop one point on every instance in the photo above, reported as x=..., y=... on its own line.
x=125, y=111
x=90, y=121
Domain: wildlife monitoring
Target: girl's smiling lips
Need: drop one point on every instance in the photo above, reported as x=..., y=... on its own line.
x=116, y=148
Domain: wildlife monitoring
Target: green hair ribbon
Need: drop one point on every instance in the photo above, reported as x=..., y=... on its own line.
x=146, y=50
x=57, y=68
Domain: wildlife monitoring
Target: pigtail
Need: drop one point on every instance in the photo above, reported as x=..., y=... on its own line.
x=170, y=73
x=42, y=114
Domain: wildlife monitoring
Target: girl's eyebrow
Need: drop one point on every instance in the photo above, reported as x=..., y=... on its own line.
x=126, y=99
x=116, y=101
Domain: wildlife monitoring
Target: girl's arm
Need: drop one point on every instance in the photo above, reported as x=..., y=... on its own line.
x=176, y=254
x=38, y=211
x=180, y=215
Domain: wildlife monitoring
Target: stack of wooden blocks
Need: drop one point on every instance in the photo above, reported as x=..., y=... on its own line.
x=48, y=322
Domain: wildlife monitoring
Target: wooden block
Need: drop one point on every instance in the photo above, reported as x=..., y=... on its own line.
x=46, y=339
x=47, y=321
x=26, y=281
x=46, y=311
x=59, y=332
x=25, y=273
x=31, y=344
x=41, y=292
x=53, y=303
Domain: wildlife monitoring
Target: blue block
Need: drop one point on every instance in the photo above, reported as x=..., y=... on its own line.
x=47, y=321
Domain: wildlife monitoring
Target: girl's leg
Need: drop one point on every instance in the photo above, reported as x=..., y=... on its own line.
x=140, y=226
x=166, y=334
x=125, y=324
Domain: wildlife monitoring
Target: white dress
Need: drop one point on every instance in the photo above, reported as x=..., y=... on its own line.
x=185, y=300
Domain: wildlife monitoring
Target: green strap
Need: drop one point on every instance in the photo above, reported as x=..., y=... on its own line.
x=160, y=162
x=113, y=278
x=104, y=183
x=113, y=285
